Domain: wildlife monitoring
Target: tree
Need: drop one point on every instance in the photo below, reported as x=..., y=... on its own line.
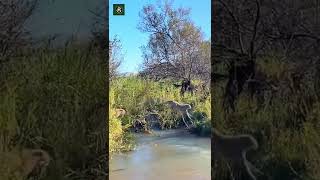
x=176, y=48
x=100, y=39
x=99, y=30
x=248, y=30
x=115, y=57
x=13, y=35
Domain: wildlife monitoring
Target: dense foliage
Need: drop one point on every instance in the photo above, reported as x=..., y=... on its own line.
x=140, y=97
x=286, y=125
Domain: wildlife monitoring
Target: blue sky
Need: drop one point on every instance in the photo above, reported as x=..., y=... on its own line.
x=63, y=17
x=125, y=27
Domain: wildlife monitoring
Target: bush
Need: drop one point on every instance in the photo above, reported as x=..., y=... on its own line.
x=119, y=138
x=202, y=128
x=140, y=96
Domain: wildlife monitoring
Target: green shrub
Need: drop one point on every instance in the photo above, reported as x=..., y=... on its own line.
x=202, y=128
x=140, y=96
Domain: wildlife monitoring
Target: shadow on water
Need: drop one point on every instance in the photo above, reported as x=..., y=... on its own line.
x=172, y=154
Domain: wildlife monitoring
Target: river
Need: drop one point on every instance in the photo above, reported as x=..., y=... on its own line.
x=169, y=155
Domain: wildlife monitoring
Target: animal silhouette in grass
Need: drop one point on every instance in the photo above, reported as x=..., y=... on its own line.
x=234, y=149
x=186, y=86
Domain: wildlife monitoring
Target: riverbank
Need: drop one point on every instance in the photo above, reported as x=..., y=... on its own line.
x=139, y=97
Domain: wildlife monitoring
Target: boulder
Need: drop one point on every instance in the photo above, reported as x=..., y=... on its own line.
x=139, y=125
x=153, y=120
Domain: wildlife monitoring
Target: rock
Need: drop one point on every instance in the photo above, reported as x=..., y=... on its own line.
x=139, y=125
x=153, y=120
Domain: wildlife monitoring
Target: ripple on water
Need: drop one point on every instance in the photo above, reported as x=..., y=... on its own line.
x=169, y=158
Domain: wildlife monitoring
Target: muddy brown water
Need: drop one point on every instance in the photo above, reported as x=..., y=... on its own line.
x=165, y=155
